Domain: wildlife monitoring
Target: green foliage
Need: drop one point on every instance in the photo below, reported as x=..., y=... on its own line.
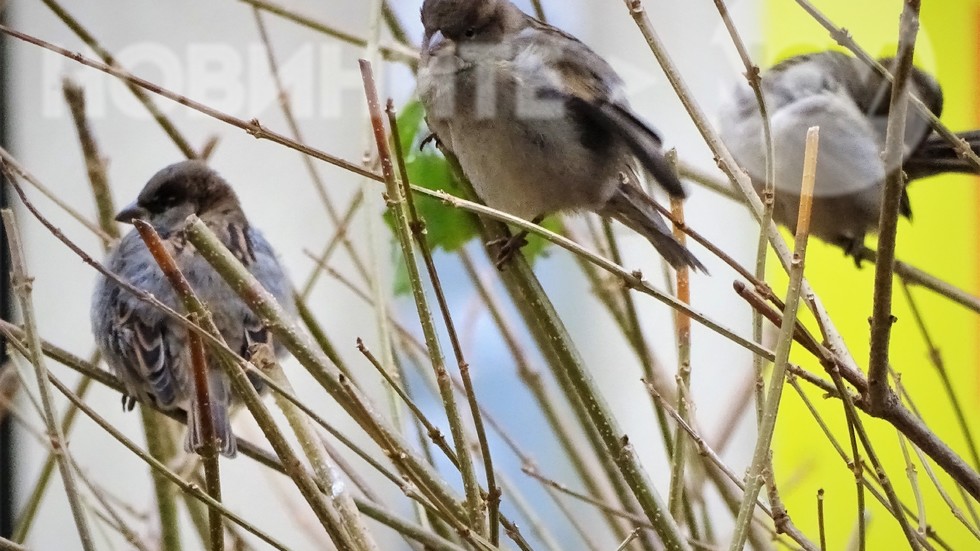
x=446, y=228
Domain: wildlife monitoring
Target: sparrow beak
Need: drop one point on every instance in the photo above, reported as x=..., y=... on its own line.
x=132, y=212
x=432, y=42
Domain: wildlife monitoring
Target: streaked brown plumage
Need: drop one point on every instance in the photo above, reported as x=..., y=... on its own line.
x=146, y=349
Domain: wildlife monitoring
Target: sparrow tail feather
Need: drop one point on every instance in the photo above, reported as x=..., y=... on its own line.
x=642, y=141
x=220, y=400
x=937, y=156
x=633, y=208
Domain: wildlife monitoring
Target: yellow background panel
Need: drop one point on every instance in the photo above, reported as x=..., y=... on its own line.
x=942, y=240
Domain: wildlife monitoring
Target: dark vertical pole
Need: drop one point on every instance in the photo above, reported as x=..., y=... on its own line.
x=6, y=432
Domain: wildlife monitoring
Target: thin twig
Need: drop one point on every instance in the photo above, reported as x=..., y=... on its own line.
x=850, y=410
x=431, y=430
x=28, y=511
x=844, y=38
x=95, y=164
x=287, y=111
x=726, y=472
x=324, y=510
x=533, y=380
x=913, y=475
x=394, y=24
x=628, y=540
x=14, y=166
x=684, y=405
x=199, y=376
x=768, y=193
x=165, y=123
x=632, y=279
x=253, y=127
x=324, y=468
x=394, y=52
x=936, y=357
x=915, y=276
x=396, y=200
x=264, y=304
x=856, y=466
x=159, y=441
x=767, y=424
x=554, y=340
x=909, y=273
x=882, y=318
x=417, y=226
x=896, y=414
x=530, y=512
x=821, y=521
x=22, y=284
x=340, y=232
x=7, y=545
x=97, y=492
x=973, y=528
x=187, y=487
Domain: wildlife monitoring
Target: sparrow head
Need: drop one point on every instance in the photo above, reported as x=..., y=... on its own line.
x=179, y=190
x=465, y=21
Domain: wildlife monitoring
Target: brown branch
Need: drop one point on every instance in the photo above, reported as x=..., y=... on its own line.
x=199, y=372
x=767, y=424
x=253, y=127
x=882, y=318
x=95, y=164
x=894, y=413
x=396, y=52
x=475, y=506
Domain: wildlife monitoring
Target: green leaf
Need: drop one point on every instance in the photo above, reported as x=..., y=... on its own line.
x=446, y=228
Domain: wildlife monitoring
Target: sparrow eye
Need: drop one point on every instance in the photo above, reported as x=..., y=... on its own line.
x=162, y=203
x=470, y=32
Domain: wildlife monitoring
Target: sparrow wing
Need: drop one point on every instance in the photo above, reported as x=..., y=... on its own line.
x=872, y=93
x=593, y=94
x=154, y=367
x=642, y=141
x=151, y=362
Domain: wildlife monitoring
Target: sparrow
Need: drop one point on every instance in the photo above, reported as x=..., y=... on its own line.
x=849, y=101
x=146, y=349
x=539, y=122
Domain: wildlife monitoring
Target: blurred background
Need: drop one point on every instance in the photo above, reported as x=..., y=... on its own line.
x=212, y=53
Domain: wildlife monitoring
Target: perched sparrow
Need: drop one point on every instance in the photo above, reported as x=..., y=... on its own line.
x=538, y=120
x=849, y=101
x=149, y=351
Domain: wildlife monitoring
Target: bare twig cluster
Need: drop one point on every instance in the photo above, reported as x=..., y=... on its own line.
x=459, y=495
